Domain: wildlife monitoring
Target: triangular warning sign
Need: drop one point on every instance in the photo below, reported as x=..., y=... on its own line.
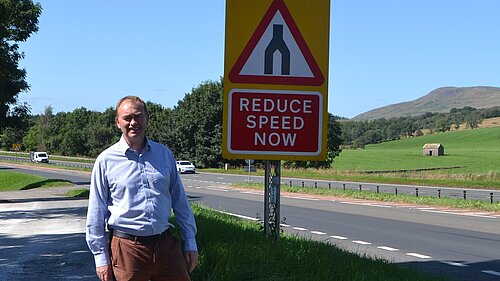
x=277, y=53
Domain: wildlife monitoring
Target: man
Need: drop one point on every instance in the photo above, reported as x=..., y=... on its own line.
x=134, y=186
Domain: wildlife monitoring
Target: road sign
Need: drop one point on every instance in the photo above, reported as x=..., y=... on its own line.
x=275, y=86
x=277, y=53
x=272, y=122
x=16, y=146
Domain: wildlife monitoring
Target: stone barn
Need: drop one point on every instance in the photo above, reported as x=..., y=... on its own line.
x=433, y=149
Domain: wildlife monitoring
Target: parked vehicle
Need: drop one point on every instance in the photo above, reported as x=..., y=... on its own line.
x=39, y=157
x=185, y=167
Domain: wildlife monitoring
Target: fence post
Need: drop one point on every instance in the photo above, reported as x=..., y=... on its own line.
x=416, y=191
x=465, y=194
x=491, y=197
x=378, y=189
x=439, y=193
x=396, y=191
x=360, y=187
x=343, y=185
x=290, y=184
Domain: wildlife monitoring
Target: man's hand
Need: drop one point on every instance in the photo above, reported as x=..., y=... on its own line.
x=191, y=260
x=105, y=273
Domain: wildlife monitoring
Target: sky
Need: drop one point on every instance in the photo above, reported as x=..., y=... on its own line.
x=91, y=53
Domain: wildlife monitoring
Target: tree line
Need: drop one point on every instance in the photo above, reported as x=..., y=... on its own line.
x=192, y=129
x=357, y=134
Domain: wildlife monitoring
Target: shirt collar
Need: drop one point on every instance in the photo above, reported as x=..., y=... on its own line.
x=123, y=145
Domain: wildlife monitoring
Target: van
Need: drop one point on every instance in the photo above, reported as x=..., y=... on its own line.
x=39, y=157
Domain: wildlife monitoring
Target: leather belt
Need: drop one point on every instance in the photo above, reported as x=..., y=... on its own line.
x=142, y=239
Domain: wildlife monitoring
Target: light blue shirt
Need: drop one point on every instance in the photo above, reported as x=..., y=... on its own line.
x=135, y=193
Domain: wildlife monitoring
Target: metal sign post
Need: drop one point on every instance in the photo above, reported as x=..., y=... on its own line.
x=272, y=184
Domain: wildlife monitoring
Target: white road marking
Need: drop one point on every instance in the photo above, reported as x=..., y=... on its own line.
x=300, y=228
x=452, y=263
x=361, y=242
x=239, y=216
x=454, y=212
x=417, y=255
x=318, y=232
x=339, y=237
x=492, y=272
x=366, y=204
x=251, y=192
x=388, y=249
x=301, y=198
x=216, y=189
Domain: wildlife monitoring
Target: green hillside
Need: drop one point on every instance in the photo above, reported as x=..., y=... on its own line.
x=468, y=153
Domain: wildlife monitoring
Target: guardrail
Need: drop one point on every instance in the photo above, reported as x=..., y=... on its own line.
x=51, y=162
x=482, y=195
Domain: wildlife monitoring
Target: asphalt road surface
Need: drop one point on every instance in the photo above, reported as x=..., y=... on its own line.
x=46, y=231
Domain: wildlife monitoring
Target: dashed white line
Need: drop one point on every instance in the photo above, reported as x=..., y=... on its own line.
x=366, y=204
x=492, y=272
x=300, y=228
x=361, y=242
x=339, y=237
x=216, y=189
x=388, y=249
x=417, y=255
x=318, y=232
x=251, y=192
x=452, y=263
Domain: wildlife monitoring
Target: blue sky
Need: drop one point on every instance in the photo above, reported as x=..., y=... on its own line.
x=91, y=53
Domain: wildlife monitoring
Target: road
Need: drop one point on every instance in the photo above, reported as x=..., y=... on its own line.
x=432, y=191
x=461, y=244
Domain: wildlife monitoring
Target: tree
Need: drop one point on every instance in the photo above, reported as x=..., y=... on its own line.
x=197, y=125
x=18, y=20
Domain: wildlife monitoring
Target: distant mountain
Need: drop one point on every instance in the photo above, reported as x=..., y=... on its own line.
x=441, y=100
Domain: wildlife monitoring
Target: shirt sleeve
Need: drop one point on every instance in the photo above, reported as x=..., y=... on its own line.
x=97, y=215
x=182, y=210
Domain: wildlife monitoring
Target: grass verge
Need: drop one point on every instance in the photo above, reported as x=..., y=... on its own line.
x=386, y=197
x=235, y=249
x=78, y=193
x=19, y=181
x=424, y=178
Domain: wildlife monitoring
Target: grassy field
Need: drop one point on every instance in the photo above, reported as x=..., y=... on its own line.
x=472, y=160
x=234, y=249
x=471, y=151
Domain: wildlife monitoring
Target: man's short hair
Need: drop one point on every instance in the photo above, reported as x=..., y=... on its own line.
x=132, y=99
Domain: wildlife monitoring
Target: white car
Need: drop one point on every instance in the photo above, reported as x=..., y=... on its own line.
x=185, y=167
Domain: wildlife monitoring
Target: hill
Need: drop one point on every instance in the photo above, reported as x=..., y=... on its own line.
x=441, y=100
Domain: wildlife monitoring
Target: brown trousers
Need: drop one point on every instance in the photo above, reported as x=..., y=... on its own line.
x=161, y=260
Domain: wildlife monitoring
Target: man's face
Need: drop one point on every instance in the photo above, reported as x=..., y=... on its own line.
x=132, y=121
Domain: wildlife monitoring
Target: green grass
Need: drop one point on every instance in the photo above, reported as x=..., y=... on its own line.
x=234, y=249
x=473, y=151
x=78, y=193
x=19, y=181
